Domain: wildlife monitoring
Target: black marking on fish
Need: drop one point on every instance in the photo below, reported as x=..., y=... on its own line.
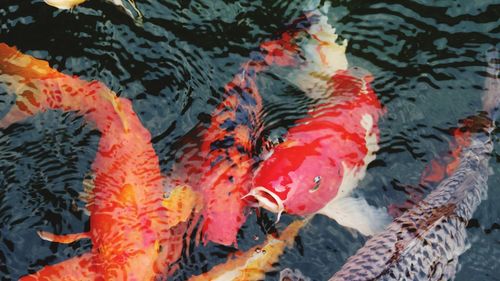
x=226, y=142
x=228, y=125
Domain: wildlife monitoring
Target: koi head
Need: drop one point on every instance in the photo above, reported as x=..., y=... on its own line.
x=296, y=179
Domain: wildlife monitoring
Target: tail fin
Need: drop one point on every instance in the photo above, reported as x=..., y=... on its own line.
x=323, y=55
x=491, y=99
x=64, y=4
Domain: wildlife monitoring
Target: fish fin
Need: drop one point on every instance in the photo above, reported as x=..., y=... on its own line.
x=64, y=239
x=64, y=4
x=136, y=15
x=181, y=203
x=491, y=98
x=76, y=268
x=356, y=213
x=254, y=263
x=86, y=195
x=293, y=275
x=323, y=55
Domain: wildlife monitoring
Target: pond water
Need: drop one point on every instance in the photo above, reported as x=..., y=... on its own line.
x=427, y=59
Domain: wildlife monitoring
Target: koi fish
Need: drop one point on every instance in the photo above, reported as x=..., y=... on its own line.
x=437, y=170
x=135, y=233
x=425, y=242
x=70, y=4
x=219, y=167
x=222, y=166
x=326, y=153
x=64, y=4
x=255, y=262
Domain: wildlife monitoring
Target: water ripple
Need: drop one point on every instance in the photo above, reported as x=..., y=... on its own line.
x=427, y=58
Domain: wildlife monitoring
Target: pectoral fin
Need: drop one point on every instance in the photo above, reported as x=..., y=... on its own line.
x=357, y=214
x=136, y=14
x=181, y=203
x=65, y=239
x=87, y=196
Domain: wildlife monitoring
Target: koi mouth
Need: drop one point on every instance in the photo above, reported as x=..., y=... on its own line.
x=267, y=200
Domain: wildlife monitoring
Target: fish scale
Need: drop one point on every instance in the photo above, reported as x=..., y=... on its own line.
x=403, y=253
x=425, y=242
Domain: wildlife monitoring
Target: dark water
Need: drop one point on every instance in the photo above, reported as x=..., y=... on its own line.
x=427, y=58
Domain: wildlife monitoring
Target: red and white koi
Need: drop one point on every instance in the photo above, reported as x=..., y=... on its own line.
x=326, y=153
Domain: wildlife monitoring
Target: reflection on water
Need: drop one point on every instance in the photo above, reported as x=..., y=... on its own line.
x=427, y=60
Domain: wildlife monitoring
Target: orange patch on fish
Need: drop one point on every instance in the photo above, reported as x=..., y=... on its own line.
x=129, y=225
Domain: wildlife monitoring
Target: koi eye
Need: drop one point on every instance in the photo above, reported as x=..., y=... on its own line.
x=317, y=182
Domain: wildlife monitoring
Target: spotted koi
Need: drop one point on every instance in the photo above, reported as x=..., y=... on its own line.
x=135, y=233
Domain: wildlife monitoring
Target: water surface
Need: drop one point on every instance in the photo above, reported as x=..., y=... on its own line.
x=427, y=58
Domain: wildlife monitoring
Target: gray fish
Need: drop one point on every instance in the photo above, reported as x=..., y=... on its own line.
x=425, y=242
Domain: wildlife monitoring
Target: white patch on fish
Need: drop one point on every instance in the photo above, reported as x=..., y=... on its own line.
x=324, y=56
x=64, y=4
x=370, y=138
x=352, y=212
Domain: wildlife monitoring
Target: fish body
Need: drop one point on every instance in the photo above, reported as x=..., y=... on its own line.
x=218, y=166
x=425, y=242
x=254, y=263
x=221, y=166
x=133, y=237
x=228, y=144
x=325, y=153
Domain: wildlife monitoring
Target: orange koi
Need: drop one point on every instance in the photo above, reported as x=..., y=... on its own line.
x=255, y=262
x=135, y=233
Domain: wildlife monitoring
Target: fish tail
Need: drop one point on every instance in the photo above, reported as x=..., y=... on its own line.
x=491, y=98
x=313, y=50
x=309, y=40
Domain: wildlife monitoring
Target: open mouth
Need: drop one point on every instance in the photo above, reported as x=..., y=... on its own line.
x=267, y=200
